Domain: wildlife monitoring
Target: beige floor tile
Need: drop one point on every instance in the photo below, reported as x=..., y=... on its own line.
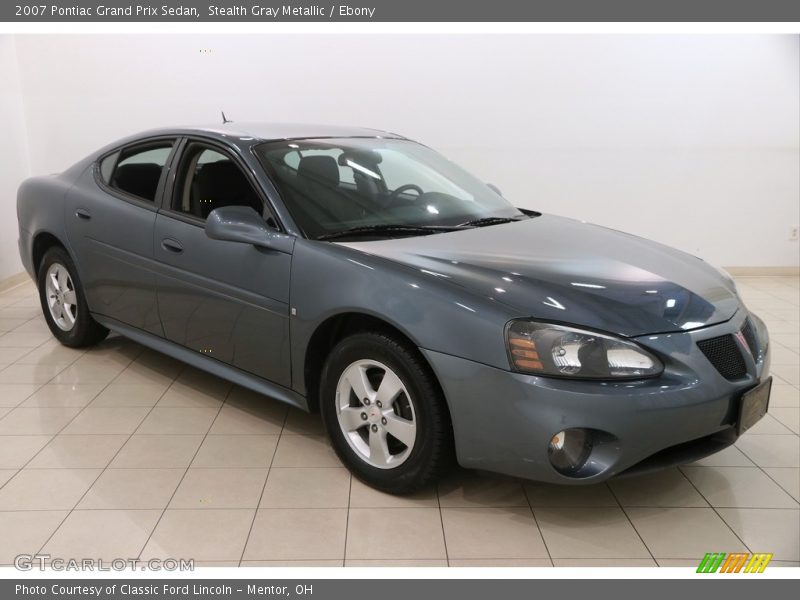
x=101, y=419
x=236, y=451
x=14, y=394
x=129, y=394
x=210, y=565
x=769, y=425
x=200, y=534
x=12, y=355
x=293, y=563
x=202, y=380
x=24, y=532
x=36, y=374
x=6, y=474
x=604, y=562
x=178, y=420
x=157, y=451
x=184, y=395
x=744, y=487
x=37, y=421
x=78, y=452
x=395, y=533
x=509, y=532
x=303, y=423
x=86, y=371
x=4, y=411
x=124, y=533
x=784, y=396
x=602, y=532
x=783, y=356
x=46, y=489
x=63, y=395
x=788, y=417
x=151, y=367
x=305, y=451
x=51, y=353
x=789, y=373
x=16, y=450
x=771, y=450
x=307, y=488
x=364, y=496
x=562, y=496
x=679, y=562
x=730, y=457
x=683, y=532
x=787, y=478
x=9, y=324
x=663, y=488
x=220, y=488
x=500, y=562
x=465, y=488
x=767, y=530
x=396, y=563
x=132, y=489
x=304, y=533
x=23, y=339
x=24, y=313
x=250, y=415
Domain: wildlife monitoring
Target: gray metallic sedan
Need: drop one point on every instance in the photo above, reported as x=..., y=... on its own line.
x=362, y=275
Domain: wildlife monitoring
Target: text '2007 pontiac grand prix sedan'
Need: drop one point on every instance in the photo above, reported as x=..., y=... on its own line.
x=363, y=275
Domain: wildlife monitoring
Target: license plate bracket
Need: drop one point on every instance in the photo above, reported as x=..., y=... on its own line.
x=753, y=405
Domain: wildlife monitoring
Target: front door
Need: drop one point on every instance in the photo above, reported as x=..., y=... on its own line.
x=226, y=300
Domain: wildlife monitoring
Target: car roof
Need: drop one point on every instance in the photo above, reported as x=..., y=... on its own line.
x=276, y=131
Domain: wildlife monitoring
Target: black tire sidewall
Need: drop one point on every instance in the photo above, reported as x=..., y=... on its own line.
x=425, y=397
x=85, y=331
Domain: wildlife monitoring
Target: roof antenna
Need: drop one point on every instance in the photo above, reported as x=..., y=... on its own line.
x=224, y=118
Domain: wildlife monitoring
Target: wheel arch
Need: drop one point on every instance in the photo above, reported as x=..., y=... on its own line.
x=334, y=329
x=42, y=242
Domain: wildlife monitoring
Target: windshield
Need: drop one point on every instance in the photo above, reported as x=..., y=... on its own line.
x=334, y=185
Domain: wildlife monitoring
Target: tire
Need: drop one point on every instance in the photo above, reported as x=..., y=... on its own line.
x=69, y=320
x=411, y=405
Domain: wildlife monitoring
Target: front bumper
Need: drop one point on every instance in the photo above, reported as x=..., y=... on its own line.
x=504, y=421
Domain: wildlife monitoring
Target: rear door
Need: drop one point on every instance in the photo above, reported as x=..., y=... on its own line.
x=225, y=300
x=110, y=216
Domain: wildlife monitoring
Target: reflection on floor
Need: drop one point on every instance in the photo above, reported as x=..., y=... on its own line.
x=120, y=452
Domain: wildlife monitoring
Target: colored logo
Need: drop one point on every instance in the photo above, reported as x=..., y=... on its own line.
x=736, y=562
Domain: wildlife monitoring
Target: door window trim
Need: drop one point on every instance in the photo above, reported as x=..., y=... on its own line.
x=162, y=180
x=170, y=187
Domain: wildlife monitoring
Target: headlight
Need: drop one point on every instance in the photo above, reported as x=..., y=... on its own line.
x=561, y=351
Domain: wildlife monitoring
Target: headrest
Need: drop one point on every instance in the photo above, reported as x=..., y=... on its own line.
x=322, y=169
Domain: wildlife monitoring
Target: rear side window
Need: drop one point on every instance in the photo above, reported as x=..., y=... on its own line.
x=136, y=170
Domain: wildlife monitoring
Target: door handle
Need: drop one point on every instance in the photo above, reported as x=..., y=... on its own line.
x=82, y=213
x=171, y=245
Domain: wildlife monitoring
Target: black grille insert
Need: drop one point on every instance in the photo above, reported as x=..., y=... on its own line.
x=725, y=355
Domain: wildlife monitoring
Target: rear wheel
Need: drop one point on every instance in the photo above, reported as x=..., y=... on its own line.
x=63, y=302
x=385, y=413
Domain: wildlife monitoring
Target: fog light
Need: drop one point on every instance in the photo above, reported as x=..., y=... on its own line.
x=569, y=449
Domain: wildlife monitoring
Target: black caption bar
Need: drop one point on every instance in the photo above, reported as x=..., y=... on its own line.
x=401, y=10
x=703, y=587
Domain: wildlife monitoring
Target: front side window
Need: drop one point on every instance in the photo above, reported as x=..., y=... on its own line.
x=137, y=170
x=209, y=179
x=334, y=185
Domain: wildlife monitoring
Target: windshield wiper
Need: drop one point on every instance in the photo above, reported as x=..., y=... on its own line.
x=367, y=230
x=489, y=221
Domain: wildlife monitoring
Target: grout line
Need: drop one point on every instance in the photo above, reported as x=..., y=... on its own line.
x=441, y=521
x=627, y=516
x=538, y=527
x=263, y=487
x=200, y=445
x=347, y=516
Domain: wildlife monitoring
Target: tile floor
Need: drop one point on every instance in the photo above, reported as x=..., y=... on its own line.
x=118, y=451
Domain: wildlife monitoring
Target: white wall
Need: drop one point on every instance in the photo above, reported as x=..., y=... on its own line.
x=690, y=140
x=13, y=155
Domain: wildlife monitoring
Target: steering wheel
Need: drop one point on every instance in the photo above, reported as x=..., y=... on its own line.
x=403, y=188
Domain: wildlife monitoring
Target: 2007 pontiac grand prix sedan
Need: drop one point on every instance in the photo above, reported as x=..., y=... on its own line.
x=361, y=274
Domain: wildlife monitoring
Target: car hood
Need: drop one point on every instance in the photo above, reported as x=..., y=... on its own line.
x=557, y=269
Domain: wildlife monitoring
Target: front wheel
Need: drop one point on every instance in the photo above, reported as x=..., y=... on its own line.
x=63, y=303
x=385, y=414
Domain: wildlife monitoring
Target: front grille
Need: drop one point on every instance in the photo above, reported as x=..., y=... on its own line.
x=725, y=355
x=749, y=333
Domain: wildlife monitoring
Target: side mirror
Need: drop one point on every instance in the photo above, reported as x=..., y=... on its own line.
x=244, y=225
x=494, y=188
